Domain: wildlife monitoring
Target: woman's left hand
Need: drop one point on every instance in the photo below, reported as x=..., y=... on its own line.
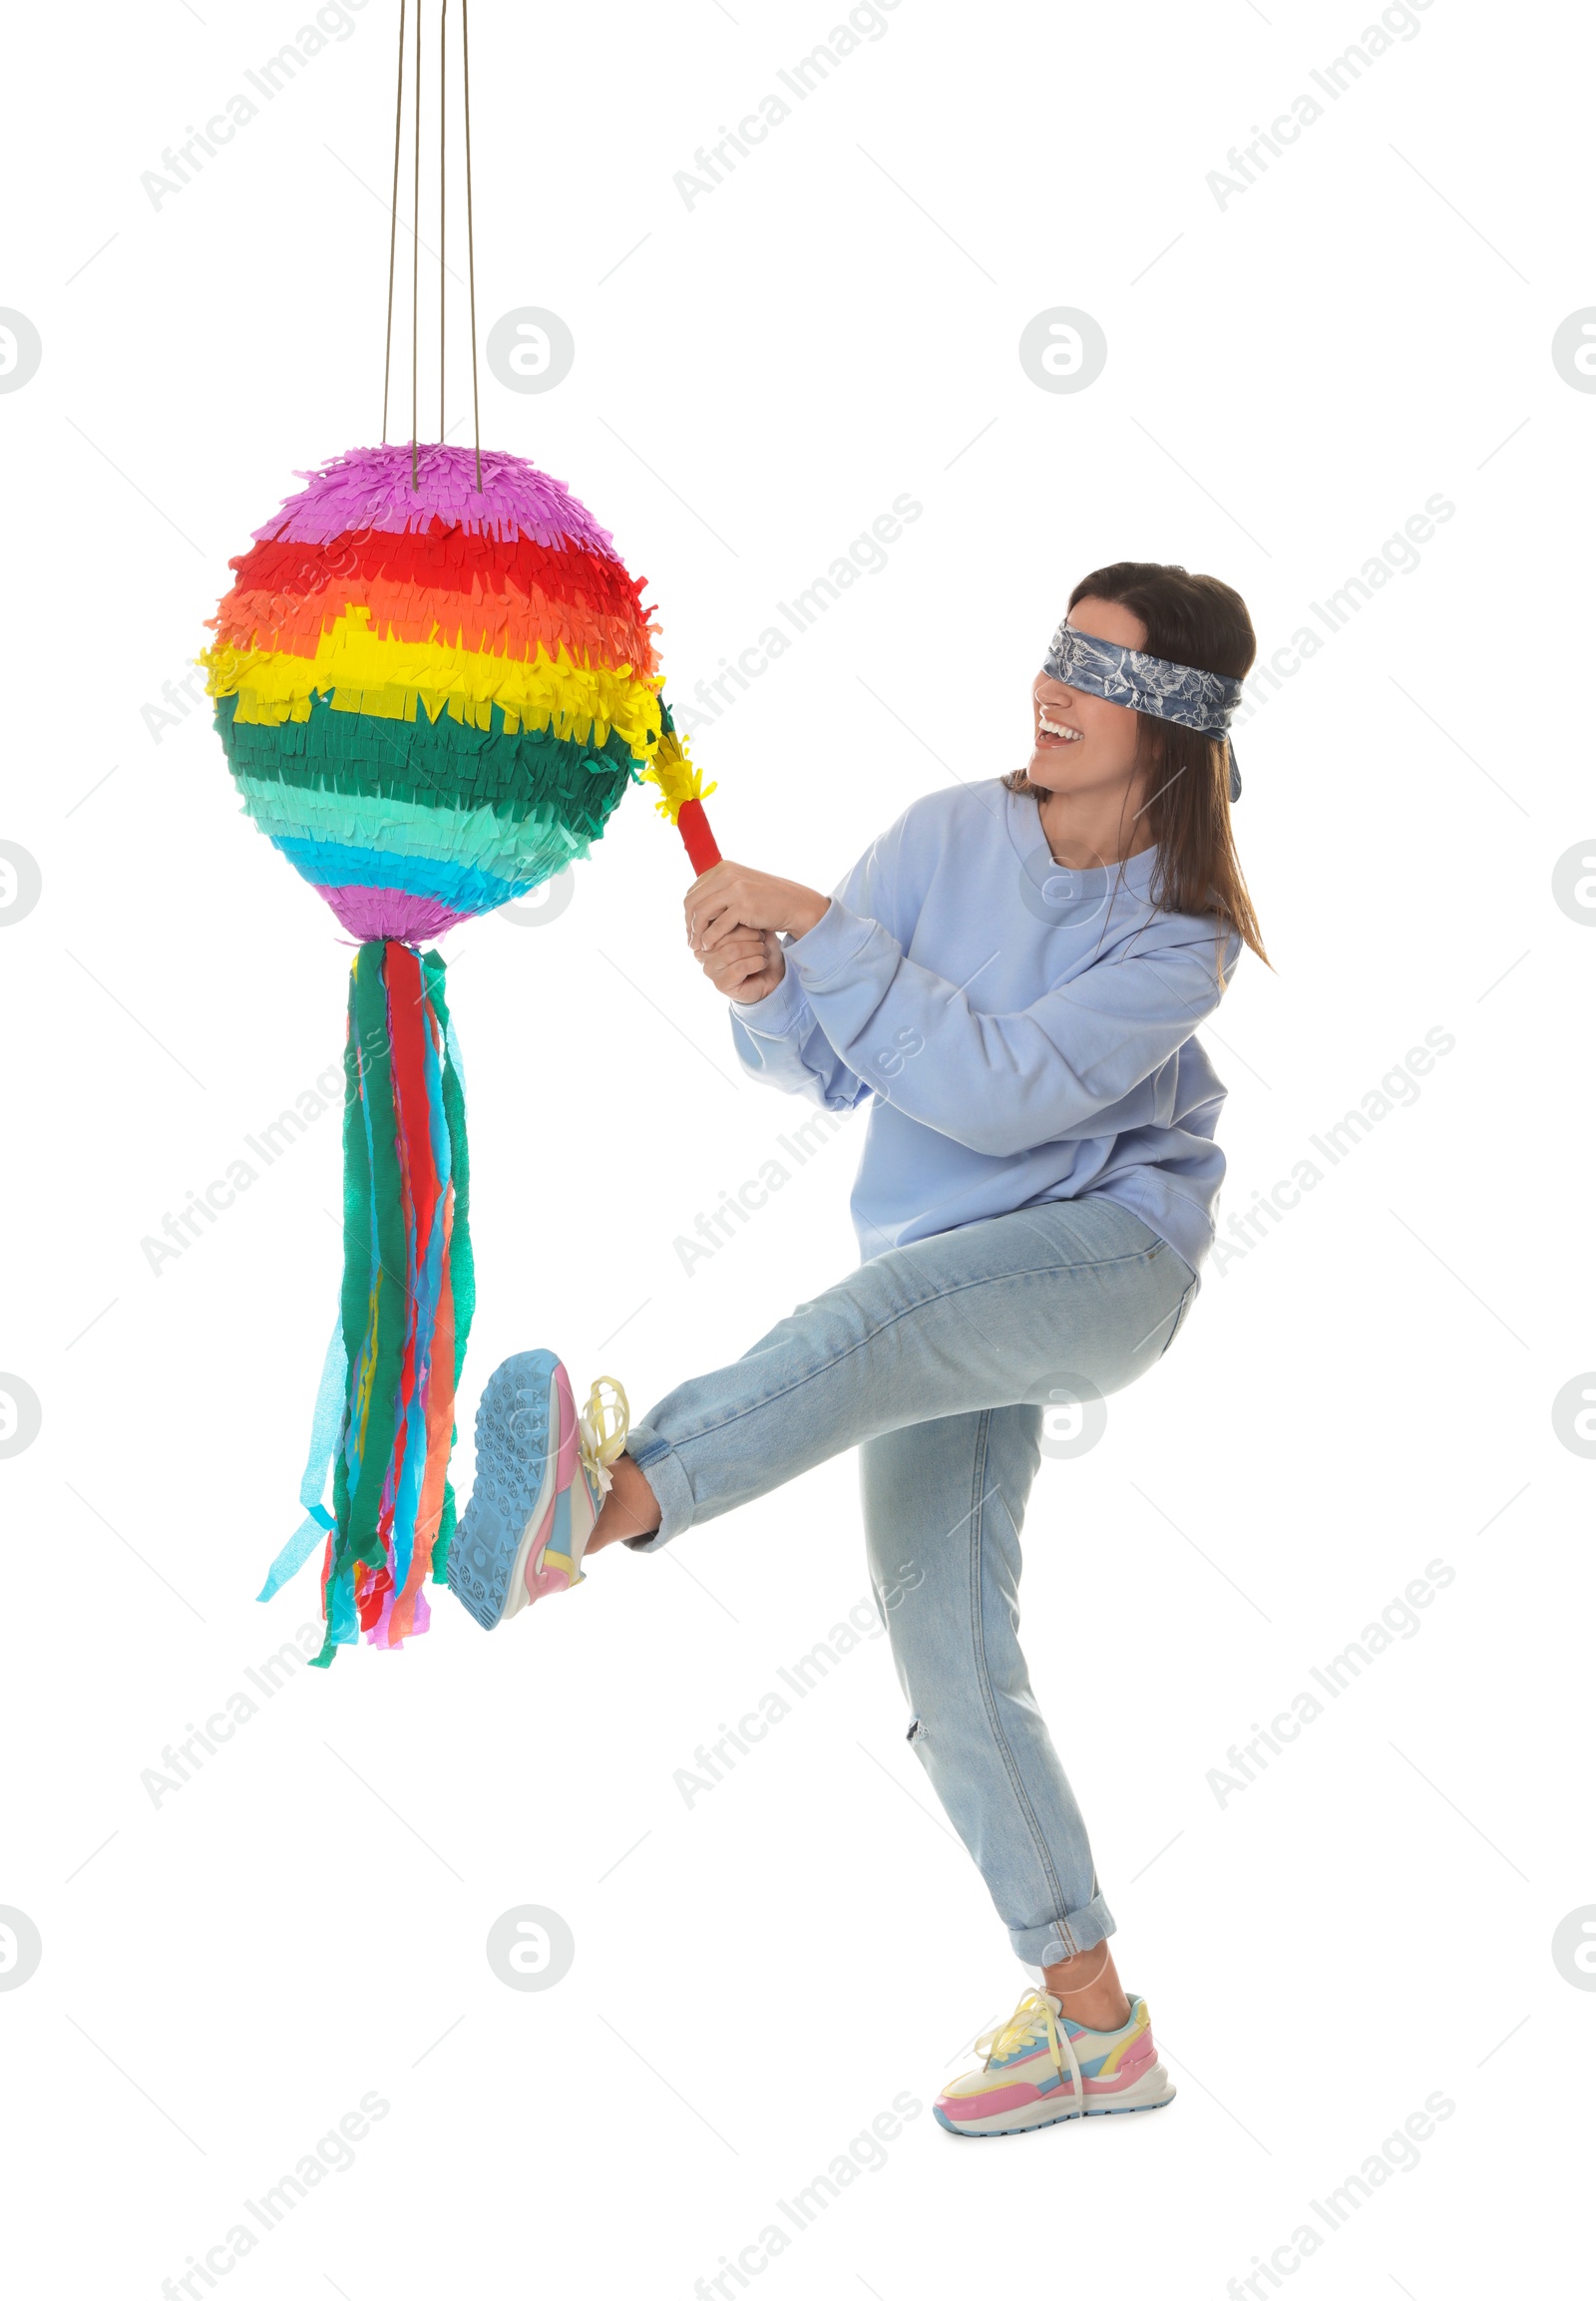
x=731, y=896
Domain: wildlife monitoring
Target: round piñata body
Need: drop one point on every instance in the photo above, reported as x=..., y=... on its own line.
x=431, y=696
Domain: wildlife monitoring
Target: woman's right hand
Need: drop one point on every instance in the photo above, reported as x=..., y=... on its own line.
x=746, y=964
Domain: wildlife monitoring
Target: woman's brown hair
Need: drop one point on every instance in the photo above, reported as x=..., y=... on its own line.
x=1193, y=620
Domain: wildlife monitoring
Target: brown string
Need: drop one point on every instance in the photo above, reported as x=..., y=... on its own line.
x=393, y=221
x=415, y=267
x=415, y=255
x=443, y=179
x=471, y=244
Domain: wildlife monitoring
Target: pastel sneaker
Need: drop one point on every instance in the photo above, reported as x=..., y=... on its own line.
x=541, y=1474
x=601, y=1429
x=1042, y=2067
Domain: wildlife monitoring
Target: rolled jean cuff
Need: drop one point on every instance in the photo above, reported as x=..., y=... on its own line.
x=1061, y=1938
x=659, y=1463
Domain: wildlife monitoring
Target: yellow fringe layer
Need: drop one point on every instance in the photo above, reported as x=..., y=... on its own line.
x=387, y=678
x=676, y=776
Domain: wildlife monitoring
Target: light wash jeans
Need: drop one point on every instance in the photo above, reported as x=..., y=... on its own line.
x=936, y=1360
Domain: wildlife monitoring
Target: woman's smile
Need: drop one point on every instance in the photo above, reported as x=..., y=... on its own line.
x=1052, y=729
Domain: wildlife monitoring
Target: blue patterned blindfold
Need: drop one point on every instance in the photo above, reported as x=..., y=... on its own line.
x=1202, y=700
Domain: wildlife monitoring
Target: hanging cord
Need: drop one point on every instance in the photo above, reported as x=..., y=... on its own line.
x=415, y=255
x=393, y=221
x=415, y=265
x=443, y=182
x=471, y=244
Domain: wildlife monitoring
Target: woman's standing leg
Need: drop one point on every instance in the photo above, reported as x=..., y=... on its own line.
x=944, y=1504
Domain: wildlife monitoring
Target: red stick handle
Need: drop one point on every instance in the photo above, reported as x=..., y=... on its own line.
x=697, y=836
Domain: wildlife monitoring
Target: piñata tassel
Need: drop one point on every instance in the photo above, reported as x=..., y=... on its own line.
x=408, y=1296
x=683, y=792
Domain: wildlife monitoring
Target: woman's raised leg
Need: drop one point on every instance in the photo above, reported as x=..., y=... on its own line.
x=992, y=1315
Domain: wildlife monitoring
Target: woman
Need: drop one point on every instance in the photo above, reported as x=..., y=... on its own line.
x=1012, y=975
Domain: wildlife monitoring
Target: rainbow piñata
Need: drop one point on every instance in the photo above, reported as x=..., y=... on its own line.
x=431, y=698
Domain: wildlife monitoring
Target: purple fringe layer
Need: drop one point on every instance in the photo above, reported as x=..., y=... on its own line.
x=383, y=914
x=368, y=491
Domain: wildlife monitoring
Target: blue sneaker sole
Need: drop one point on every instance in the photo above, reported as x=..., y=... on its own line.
x=512, y=1451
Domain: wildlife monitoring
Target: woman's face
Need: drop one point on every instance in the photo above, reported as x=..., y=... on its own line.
x=1079, y=743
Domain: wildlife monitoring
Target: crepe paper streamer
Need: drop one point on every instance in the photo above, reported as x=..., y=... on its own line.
x=408, y=1296
x=431, y=698
x=683, y=802
x=324, y=1430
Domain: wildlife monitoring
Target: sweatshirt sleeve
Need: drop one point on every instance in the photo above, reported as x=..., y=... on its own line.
x=778, y=1038
x=1003, y=1083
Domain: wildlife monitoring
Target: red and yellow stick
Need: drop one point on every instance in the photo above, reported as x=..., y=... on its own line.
x=682, y=794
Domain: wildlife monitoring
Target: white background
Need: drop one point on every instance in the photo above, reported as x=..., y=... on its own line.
x=227, y=1973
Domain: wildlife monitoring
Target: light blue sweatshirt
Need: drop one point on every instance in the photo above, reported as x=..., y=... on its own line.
x=1024, y=1032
